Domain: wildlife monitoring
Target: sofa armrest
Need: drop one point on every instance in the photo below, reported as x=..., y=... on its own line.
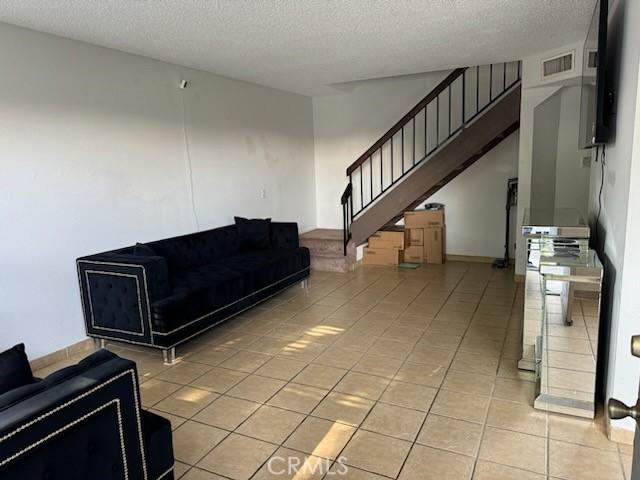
x=284, y=235
x=79, y=422
x=117, y=290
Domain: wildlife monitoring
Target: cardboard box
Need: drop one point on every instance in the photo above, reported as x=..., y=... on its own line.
x=434, y=244
x=423, y=218
x=382, y=256
x=415, y=237
x=388, y=239
x=414, y=254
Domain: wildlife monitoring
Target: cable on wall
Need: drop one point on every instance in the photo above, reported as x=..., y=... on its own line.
x=183, y=86
x=602, y=165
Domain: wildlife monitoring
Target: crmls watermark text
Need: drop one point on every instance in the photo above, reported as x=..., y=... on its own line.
x=306, y=467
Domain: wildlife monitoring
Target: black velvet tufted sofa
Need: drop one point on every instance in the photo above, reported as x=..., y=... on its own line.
x=83, y=422
x=162, y=293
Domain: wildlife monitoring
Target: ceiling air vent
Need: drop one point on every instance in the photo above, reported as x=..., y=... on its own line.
x=557, y=65
x=592, y=59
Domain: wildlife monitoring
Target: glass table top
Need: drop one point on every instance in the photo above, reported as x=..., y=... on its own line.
x=561, y=222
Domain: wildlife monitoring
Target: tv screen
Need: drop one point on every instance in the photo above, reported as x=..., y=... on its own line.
x=594, y=129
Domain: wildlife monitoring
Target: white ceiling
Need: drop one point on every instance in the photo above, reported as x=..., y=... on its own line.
x=305, y=46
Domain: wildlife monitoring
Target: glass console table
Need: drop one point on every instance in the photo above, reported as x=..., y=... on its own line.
x=557, y=232
x=567, y=343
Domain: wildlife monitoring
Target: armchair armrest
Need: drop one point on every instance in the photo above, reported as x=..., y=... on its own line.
x=79, y=422
x=117, y=290
x=284, y=235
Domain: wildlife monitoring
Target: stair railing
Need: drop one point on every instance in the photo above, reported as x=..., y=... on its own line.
x=452, y=105
x=347, y=215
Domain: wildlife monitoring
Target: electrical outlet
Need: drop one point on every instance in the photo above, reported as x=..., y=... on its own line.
x=263, y=193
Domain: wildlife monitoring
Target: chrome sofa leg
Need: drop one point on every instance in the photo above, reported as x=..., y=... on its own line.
x=99, y=343
x=305, y=283
x=169, y=356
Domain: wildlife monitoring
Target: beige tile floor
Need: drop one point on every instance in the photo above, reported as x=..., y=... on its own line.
x=395, y=373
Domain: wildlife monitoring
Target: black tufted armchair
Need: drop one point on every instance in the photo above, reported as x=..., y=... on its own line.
x=83, y=422
x=162, y=293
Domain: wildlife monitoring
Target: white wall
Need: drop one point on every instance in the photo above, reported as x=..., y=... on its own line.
x=559, y=179
x=346, y=124
x=531, y=98
x=572, y=176
x=619, y=225
x=93, y=158
x=546, y=121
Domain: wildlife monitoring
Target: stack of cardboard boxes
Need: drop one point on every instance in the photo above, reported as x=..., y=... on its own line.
x=425, y=232
x=386, y=247
x=421, y=241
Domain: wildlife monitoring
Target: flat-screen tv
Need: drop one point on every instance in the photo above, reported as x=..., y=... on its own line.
x=595, y=103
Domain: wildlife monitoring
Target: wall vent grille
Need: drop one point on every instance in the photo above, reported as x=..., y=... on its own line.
x=557, y=65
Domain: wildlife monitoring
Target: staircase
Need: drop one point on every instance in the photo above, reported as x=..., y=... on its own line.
x=471, y=111
x=327, y=249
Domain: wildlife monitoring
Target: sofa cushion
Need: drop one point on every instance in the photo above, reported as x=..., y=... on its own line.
x=21, y=393
x=197, y=249
x=257, y=269
x=15, y=370
x=143, y=250
x=195, y=293
x=284, y=235
x=221, y=285
x=253, y=234
x=263, y=268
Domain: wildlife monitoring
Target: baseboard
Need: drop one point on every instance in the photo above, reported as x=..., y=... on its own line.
x=469, y=258
x=85, y=345
x=473, y=259
x=619, y=435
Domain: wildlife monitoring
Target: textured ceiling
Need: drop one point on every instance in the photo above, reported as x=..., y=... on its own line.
x=305, y=46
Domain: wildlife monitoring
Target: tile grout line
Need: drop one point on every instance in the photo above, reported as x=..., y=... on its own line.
x=241, y=423
x=310, y=362
x=438, y=390
x=491, y=394
x=309, y=414
x=392, y=321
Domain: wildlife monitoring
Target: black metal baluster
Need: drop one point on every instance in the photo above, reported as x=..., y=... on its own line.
x=449, y=89
x=351, y=183
x=402, y=150
x=391, y=160
x=381, y=173
x=437, y=120
x=425, y=130
x=464, y=90
x=361, y=188
x=490, y=82
x=414, y=140
x=477, y=89
x=504, y=76
x=344, y=230
x=371, y=178
x=351, y=197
